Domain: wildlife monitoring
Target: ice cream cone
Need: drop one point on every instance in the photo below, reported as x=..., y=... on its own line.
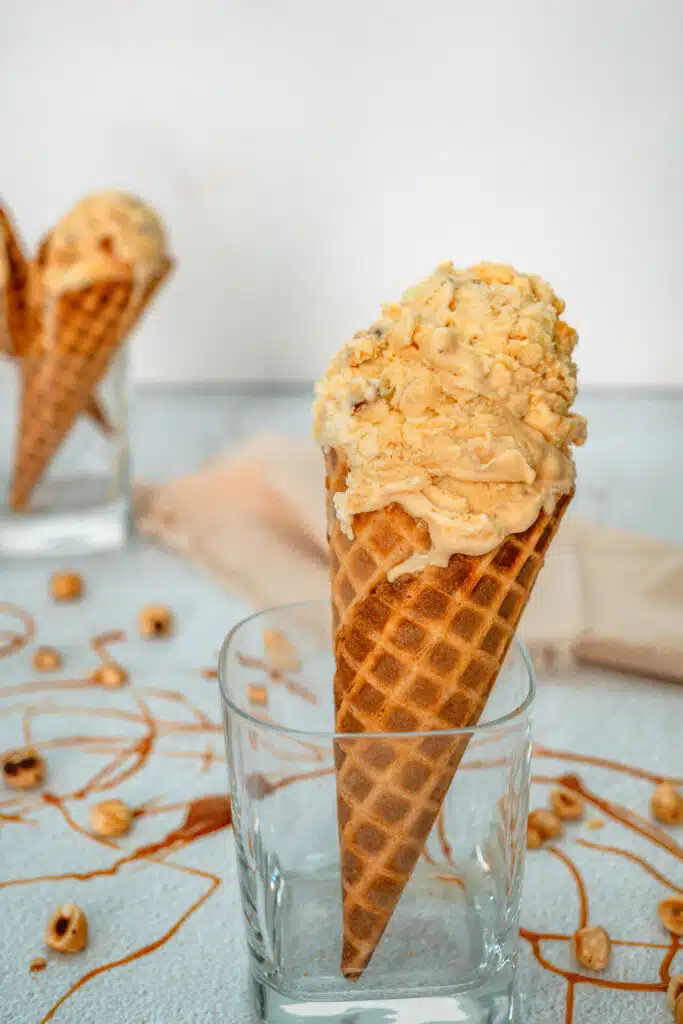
x=414, y=655
x=13, y=290
x=94, y=276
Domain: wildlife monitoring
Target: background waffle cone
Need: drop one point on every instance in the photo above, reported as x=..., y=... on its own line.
x=419, y=654
x=13, y=290
x=81, y=335
x=73, y=346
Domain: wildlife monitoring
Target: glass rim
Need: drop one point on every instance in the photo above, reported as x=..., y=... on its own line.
x=496, y=724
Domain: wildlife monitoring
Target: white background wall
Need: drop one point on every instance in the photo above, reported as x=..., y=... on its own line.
x=313, y=157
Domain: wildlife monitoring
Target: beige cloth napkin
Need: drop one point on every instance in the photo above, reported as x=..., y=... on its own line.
x=255, y=519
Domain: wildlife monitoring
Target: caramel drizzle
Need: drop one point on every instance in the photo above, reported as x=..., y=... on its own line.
x=628, y=855
x=101, y=642
x=12, y=642
x=211, y=814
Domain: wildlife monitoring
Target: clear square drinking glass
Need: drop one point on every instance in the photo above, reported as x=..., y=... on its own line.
x=449, y=950
x=64, y=475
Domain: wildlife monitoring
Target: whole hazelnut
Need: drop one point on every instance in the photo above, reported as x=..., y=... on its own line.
x=547, y=824
x=67, y=929
x=666, y=804
x=155, y=621
x=111, y=818
x=675, y=990
x=566, y=804
x=671, y=914
x=66, y=586
x=592, y=947
x=23, y=769
x=110, y=675
x=46, y=659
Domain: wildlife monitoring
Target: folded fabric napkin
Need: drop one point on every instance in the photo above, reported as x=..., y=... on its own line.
x=255, y=519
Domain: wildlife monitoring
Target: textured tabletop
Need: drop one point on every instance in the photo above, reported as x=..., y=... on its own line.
x=166, y=940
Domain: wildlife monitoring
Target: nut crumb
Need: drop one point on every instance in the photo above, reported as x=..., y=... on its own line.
x=39, y=963
x=280, y=652
x=46, y=659
x=671, y=914
x=547, y=824
x=23, y=769
x=111, y=818
x=67, y=929
x=66, y=586
x=592, y=947
x=210, y=673
x=257, y=695
x=675, y=990
x=566, y=804
x=155, y=621
x=666, y=804
x=595, y=823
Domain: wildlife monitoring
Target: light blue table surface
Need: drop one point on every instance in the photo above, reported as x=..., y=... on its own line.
x=631, y=476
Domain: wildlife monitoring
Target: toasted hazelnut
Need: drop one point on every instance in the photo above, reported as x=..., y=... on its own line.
x=675, y=990
x=155, y=621
x=46, y=659
x=66, y=586
x=671, y=914
x=666, y=804
x=567, y=805
x=23, y=769
x=592, y=947
x=595, y=823
x=67, y=929
x=257, y=695
x=678, y=1010
x=39, y=963
x=280, y=652
x=547, y=824
x=110, y=675
x=534, y=839
x=111, y=818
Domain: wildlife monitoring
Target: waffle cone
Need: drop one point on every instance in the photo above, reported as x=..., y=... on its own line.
x=415, y=655
x=14, y=275
x=74, y=344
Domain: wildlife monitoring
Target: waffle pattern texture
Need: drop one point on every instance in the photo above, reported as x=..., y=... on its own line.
x=419, y=654
x=77, y=336
x=14, y=276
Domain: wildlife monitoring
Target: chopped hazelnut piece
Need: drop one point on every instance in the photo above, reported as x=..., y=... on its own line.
x=23, y=769
x=39, y=963
x=66, y=586
x=280, y=652
x=257, y=695
x=595, y=823
x=666, y=804
x=592, y=947
x=547, y=824
x=671, y=914
x=110, y=675
x=46, y=659
x=534, y=839
x=566, y=804
x=155, y=621
x=67, y=929
x=111, y=818
x=675, y=990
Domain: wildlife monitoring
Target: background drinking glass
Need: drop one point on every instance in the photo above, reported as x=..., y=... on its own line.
x=78, y=497
x=452, y=940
